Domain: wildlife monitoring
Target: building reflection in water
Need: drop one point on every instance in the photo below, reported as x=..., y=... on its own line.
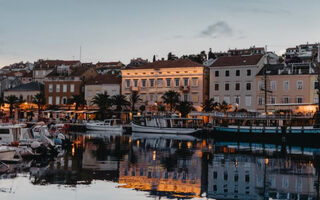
x=186, y=167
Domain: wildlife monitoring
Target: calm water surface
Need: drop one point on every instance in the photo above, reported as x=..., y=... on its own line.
x=143, y=166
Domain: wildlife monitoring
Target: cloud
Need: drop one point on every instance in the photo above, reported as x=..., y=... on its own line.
x=217, y=30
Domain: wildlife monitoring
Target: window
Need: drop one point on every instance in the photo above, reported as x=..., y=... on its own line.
x=273, y=85
x=260, y=101
x=185, y=97
x=135, y=82
x=299, y=100
x=247, y=178
x=248, y=86
x=50, y=88
x=43, y=73
x=226, y=86
x=58, y=88
x=237, y=86
x=315, y=100
x=127, y=83
x=299, y=85
x=37, y=73
x=227, y=73
x=64, y=100
x=194, y=82
x=237, y=72
x=216, y=73
x=260, y=85
x=237, y=100
x=144, y=82
x=151, y=81
x=159, y=82
x=89, y=94
x=216, y=87
x=315, y=85
x=57, y=100
x=195, y=98
x=151, y=97
x=50, y=100
x=226, y=99
x=72, y=88
x=286, y=85
x=177, y=82
x=272, y=100
x=216, y=99
x=248, y=72
x=248, y=100
x=286, y=100
x=168, y=82
x=225, y=176
x=236, y=178
x=185, y=81
x=64, y=87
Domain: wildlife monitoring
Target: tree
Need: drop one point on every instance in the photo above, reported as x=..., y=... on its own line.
x=224, y=107
x=142, y=108
x=104, y=102
x=161, y=108
x=12, y=100
x=40, y=100
x=119, y=101
x=185, y=107
x=154, y=58
x=78, y=100
x=209, y=105
x=134, y=99
x=171, y=98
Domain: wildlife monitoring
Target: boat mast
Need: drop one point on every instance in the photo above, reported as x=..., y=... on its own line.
x=318, y=69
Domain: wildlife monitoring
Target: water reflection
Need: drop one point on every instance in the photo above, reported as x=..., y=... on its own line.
x=180, y=167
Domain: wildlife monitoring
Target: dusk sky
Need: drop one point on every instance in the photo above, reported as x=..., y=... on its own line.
x=125, y=29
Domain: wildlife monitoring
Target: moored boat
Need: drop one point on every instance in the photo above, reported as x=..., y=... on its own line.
x=106, y=125
x=170, y=125
x=7, y=153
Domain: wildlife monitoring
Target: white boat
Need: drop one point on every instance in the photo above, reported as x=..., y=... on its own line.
x=169, y=125
x=7, y=154
x=106, y=125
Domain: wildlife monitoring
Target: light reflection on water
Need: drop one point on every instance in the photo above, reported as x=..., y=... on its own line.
x=145, y=166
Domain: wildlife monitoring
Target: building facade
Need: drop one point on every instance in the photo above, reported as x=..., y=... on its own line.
x=64, y=82
x=26, y=92
x=232, y=80
x=152, y=80
x=290, y=87
x=106, y=83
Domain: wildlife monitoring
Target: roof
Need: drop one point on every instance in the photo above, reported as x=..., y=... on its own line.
x=179, y=63
x=103, y=64
x=76, y=71
x=54, y=63
x=237, y=60
x=282, y=69
x=104, y=79
x=32, y=86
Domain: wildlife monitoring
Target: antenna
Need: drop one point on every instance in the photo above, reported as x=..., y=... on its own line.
x=80, y=54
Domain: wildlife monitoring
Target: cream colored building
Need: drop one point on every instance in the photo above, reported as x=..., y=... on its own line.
x=106, y=83
x=290, y=87
x=232, y=80
x=25, y=91
x=152, y=80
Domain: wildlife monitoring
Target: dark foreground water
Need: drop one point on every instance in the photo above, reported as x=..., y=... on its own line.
x=143, y=166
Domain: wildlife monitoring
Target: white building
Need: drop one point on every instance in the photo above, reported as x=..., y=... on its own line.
x=232, y=80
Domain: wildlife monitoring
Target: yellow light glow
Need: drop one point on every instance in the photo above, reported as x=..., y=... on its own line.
x=266, y=161
x=189, y=144
x=154, y=155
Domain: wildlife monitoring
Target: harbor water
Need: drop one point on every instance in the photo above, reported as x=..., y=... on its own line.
x=102, y=165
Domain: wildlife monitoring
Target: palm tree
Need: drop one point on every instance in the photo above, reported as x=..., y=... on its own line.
x=185, y=107
x=209, y=105
x=12, y=100
x=78, y=100
x=171, y=98
x=161, y=108
x=119, y=101
x=224, y=107
x=104, y=102
x=40, y=100
x=134, y=99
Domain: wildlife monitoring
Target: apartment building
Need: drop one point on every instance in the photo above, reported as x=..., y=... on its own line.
x=232, y=80
x=152, y=80
x=292, y=87
x=105, y=83
x=65, y=81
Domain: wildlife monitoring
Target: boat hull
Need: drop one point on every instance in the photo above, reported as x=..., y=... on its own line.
x=7, y=155
x=104, y=128
x=160, y=130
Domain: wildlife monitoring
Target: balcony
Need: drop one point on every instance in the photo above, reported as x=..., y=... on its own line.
x=134, y=89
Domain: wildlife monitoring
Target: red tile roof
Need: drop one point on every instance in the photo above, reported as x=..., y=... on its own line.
x=237, y=60
x=54, y=63
x=179, y=63
x=104, y=79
